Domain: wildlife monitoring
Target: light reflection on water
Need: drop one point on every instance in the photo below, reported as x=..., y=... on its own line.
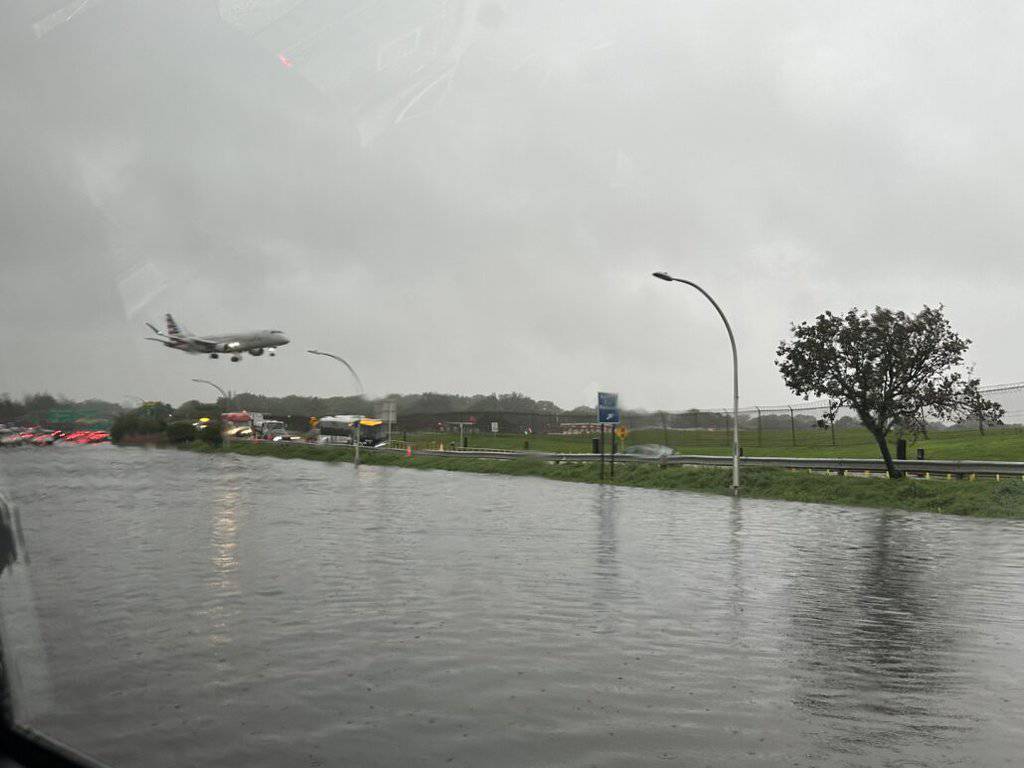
x=230, y=610
x=223, y=580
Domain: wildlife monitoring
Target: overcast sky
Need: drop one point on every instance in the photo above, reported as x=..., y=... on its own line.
x=471, y=196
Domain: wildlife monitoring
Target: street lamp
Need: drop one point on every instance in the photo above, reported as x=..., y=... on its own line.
x=357, y=436
x=344, y=362
x=735, y=379
x=223, y=394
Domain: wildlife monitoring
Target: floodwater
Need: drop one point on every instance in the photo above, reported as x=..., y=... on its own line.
x=169, y=608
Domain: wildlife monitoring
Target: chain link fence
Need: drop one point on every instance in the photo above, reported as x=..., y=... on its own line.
x=763, y=429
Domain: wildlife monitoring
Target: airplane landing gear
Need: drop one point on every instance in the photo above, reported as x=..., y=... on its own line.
x=235, y=358
x=271, y=351
x=214, y=355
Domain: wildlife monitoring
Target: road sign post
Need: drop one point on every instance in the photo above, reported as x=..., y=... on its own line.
x=607, y=413
x=618, y=438
x=612, y=463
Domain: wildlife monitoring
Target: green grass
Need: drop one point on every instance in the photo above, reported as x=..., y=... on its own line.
x=1005, y=444
x=980, y=499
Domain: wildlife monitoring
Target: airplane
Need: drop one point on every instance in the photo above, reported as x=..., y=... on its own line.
x=253, y=342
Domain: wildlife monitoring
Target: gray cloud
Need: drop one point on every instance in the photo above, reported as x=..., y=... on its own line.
x=471, y=196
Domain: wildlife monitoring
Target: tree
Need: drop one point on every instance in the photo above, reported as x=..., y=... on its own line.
x=180, y=432
x=889, y=367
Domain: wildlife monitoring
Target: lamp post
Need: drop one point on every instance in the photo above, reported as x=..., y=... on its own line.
x=227, y=400
x=735, y=379
x=344, y=362
x=355, y=375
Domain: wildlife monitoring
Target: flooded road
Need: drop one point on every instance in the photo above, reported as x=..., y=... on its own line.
x=180, y=609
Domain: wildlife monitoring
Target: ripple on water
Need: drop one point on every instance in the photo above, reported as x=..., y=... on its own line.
x=228, y=610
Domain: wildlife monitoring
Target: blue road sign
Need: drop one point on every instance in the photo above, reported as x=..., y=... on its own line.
x=608, y=408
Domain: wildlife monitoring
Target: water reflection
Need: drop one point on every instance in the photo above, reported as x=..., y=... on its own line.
x=607, y=586
x=223, y=583
x=606, y=566
x=738, y=593
x=872, y=648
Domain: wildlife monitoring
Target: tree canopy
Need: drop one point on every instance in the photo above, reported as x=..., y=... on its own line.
x=892, y=368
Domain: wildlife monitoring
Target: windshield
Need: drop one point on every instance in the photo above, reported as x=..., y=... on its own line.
x=641, y=389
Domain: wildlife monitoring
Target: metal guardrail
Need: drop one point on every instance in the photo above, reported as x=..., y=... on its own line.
x=956, y=469
x=959, y=469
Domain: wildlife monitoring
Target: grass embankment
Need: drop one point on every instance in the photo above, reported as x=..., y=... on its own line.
x=980, y=499
x=1003, y=444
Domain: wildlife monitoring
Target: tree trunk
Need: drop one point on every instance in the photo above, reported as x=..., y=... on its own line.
x=883, y=446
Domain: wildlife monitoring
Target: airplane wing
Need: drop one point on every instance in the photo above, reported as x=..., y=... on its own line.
x=228, y=344
x=207, y=345
x=179, y=338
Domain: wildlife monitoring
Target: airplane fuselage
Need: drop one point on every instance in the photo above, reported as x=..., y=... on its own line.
x=245, y=341
x=233, y=344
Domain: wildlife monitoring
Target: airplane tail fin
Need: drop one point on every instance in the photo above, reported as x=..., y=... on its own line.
x=173, y=329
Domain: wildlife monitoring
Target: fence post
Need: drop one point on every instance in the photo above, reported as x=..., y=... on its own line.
x=758, y=426
x=612, y=467
x=792, y=424
x=832, y=422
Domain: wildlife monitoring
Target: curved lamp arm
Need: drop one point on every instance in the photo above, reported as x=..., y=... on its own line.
x=344, y=362
x=222, y=392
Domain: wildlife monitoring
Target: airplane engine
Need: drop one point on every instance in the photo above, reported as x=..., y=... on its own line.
x=257, y=352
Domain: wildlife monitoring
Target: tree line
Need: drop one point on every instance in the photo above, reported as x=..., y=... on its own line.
x=38, y=406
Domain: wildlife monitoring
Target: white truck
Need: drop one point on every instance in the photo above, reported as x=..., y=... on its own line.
x=268, y=429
